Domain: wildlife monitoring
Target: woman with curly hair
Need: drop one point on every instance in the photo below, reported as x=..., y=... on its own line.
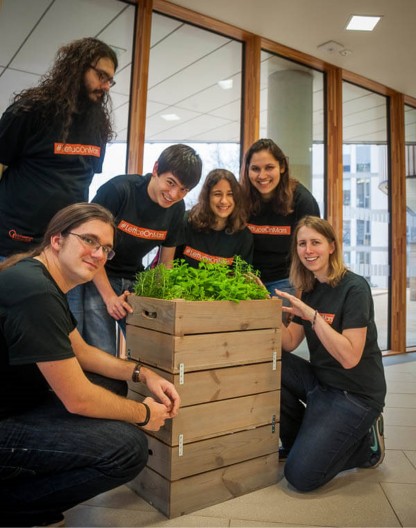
x=52, y=141
x=215, y=228
x=275, y=203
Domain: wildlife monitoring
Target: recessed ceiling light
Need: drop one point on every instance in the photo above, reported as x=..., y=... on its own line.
x=226, y=84
x=170, y=117
x=362, y=23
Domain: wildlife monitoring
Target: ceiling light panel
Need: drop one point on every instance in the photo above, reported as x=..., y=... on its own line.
x=362, y=23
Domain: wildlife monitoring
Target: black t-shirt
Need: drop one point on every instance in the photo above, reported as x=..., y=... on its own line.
x=35, y=323
x=348, y=305
x=141, y=223
x=43, y=175
x=273, y=235
x=214, y=246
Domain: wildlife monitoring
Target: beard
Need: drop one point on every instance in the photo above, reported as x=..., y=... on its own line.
x=94, y=112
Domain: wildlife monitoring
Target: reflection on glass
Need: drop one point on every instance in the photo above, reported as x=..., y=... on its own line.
x=365, y=196
x=292, y=114
x=410, y=140
x=195, y=76
x=114, y=164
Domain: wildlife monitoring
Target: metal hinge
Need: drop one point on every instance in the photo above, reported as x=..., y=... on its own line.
x=274, y=360
x=181, y=373
x=180, y=444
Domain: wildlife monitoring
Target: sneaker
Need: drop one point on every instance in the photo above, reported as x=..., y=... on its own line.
x=377, y=442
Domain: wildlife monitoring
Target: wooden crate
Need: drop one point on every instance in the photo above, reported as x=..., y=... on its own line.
x=224, y=360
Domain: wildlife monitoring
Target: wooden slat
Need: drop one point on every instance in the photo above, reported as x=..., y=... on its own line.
x=179, y=317
x=199, y=491
x=213, y=453
x=200, y=351
x=221, y=417
x=217, y=384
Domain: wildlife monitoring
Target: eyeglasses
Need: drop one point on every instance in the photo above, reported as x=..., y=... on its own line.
x=93, y=244
x=103, y=77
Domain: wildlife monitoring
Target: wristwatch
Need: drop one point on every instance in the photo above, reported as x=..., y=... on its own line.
x=136, y=373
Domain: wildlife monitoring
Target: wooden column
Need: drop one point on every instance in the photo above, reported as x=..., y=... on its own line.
x=334, y=166
x=138, y=96
x=251, y=92
x=398, y=224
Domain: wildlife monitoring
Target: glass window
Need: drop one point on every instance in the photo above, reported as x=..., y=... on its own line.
x=194, y=95
x=363, y=193
x=346, y=192
x=112, y=22
x=346, y=232
x=363, y=233
x=292, y=114
x=366, y=183
x=410, y=140
x=119, y=34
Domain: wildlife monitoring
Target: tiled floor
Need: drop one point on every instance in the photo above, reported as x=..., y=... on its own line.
x=385, y=496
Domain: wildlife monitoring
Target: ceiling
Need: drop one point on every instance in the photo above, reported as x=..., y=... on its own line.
x=186, y=62
x=382, y=55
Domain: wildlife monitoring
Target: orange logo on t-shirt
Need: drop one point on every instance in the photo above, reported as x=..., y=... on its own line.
x=199, y=255
x=141, y=232
x=73, y=149
x=269, y=230
x=329, y=318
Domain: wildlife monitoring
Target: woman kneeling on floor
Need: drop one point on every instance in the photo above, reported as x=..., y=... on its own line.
x=331, y=405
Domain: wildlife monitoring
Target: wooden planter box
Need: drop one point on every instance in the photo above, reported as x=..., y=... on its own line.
x=224, y=360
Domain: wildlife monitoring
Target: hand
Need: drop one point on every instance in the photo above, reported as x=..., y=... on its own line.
x=162, y=389
x=118, y=307
x=158, y=414
x=257, y=280
x=297, y=307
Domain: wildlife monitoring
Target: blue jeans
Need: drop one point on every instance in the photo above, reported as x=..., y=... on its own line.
x=95, y=324
x=285, y=286
x=51, y=460
x=325, y=429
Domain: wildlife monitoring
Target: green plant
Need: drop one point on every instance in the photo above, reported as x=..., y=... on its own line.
x=209, y=282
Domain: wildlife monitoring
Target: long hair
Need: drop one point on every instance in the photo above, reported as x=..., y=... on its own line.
x=63, y=222
x=283, y=194
x=301, y=277
x=201, y=216
x=59, y=92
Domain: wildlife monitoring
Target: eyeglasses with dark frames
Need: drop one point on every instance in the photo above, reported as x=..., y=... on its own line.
x=93, y=244
x=103, y=77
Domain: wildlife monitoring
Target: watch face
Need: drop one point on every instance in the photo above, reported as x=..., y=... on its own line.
x=136, y=373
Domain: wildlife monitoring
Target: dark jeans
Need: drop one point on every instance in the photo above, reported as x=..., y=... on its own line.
x=51, y=460
x=325, y=429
